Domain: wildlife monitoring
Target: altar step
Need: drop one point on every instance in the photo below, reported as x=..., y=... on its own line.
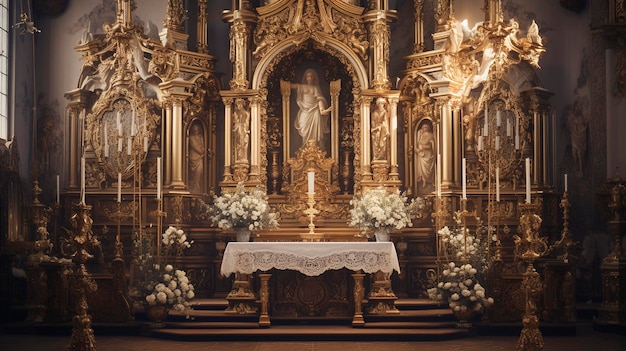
x=417, y=320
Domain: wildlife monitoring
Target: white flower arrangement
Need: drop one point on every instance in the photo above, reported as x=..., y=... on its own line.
x=459, y=285
x=174, y=241
x=173, y=289
x=243, y=209
x=157, y=283
x=379, y=208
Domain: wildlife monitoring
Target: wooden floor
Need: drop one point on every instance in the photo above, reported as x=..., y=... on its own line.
x=419, y=326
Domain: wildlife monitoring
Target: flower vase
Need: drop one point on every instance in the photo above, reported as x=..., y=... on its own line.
x=382, y=234
x=157, y=313
x=464, y=317
x=243, y=234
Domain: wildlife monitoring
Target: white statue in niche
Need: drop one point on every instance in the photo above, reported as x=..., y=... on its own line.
x=425, y=152
x=312, y=121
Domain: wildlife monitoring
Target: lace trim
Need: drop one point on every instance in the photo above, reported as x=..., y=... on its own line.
x=369, y=262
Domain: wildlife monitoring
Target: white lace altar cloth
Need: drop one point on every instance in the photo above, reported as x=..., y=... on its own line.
x=309, y=258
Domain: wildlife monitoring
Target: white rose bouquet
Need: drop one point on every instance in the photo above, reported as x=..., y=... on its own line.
x=158, y=283
x=173, y=289
x=459, y=284
x=379, y=208
x=243, y=209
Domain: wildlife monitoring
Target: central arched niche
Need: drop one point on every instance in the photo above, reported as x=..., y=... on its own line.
x=290, y=67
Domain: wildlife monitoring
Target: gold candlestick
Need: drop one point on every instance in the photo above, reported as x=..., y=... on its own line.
x=81, y=281
x=311, y=211
x=564, y=244
x=528, y=247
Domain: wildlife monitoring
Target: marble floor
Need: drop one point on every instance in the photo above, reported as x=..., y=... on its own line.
x=586, y=338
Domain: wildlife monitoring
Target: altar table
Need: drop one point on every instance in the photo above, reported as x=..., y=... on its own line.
x=312, y=259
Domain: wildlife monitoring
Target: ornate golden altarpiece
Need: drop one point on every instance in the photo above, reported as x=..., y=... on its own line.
x=140, y=100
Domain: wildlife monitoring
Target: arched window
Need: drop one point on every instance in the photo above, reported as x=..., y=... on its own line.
x=4, y=69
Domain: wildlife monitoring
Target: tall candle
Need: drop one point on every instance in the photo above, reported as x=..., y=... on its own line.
x=119, y=187
x=486, y=126
x=497, y=184
x=82, y=180
x=464, y=177
x=516, y=133
x=106, y=136
x=59, y=193
x=439, y=175
x=565, y=182
x=527, y=180
x=158, y=178
x=133, y=130
x=311, y=182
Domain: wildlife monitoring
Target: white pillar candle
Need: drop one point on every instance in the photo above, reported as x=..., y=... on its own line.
x=311, y=182
x=119, y=187
x=158, y=178
x=516, y=133
x=82, y=180
x=497, y=184
x=464, y=177
x=486, y=125
x=565, y=182
x=132, y=124
x=59, y=191
x=438, y=175
x=106, y=136
x=527, y=180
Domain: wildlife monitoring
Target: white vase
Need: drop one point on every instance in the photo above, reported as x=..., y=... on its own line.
x=243, y=234
x=382, y=234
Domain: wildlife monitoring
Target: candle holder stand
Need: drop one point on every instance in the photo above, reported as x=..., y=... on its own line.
x=529, y=246
x=311, y=212
x=82, y=282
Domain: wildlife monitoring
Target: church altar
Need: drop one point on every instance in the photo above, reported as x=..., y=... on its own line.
x=311, y=259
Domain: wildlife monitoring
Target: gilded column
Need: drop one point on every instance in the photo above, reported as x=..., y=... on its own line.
x=228, y=111
x=177, y=144
x=457, y=130
x=202, y=27
x=239, y=19
x=379, y=37
x=166, y=148
x=335, y=90
x=418, y=45
x=393, y=110
x=285, y=93
x=176, y=93
x=366, y=158
x=446, y=143
x=78, y=100
x=255, y=136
